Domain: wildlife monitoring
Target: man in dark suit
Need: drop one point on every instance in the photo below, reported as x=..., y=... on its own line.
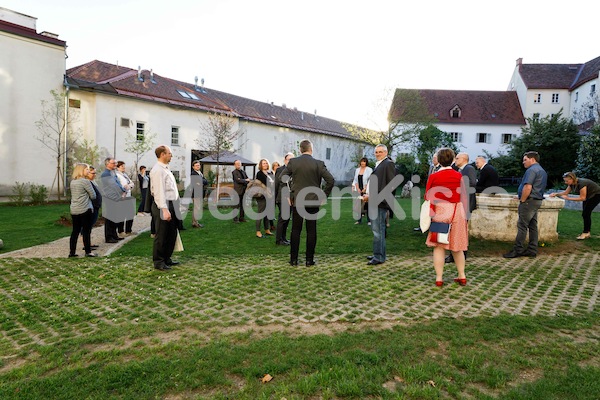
x=488, y=176
x=382, y=176
x=282, y=197
x=461, y=162
x=240, y=182
x=307, y=196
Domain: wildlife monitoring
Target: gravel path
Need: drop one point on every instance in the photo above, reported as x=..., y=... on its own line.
x=60, y=248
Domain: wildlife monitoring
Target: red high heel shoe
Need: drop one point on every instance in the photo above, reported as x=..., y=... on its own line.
x=461, y=281
x=439, y=283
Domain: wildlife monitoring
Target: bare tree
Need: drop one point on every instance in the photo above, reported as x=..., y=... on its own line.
x=56, y=122
x=218, y=134
x=587, y=115
x=403, y=124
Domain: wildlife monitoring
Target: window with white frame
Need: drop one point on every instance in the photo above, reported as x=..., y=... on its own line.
x=507, y=138
x=139, y=131
x=537, y=98
x=456, y=136
x=536, y=116
x=174, y=136
x=554, y=98
x=484, y=137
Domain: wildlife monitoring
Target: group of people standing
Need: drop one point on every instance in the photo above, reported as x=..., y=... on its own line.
x=296, y=188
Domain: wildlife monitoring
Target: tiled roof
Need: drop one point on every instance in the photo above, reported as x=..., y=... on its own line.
x=476, y=107
x=29, y=33
x=549, y=76
x=101, y=76
x=589, y=71
x=559, y=76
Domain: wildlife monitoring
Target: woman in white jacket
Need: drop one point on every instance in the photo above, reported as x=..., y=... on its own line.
x=124, y=228
x=359, y=185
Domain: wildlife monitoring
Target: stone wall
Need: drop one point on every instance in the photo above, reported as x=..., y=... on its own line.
x=496, y=218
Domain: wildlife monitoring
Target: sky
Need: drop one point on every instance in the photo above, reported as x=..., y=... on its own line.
x=342, y=58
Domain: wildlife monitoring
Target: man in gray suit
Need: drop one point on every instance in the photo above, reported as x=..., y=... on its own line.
x=307, y=196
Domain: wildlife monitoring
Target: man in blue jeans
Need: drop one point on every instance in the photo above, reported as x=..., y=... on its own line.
x=530, y=195
x=380, y=195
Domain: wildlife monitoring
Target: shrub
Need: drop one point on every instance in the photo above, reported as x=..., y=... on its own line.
x=19, y=193
x=38, y=194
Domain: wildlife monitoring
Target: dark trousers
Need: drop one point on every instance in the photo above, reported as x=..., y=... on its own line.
x=261, y=202
x=240, y=207
x=528, y=223
x=110, y=230
x=81, y=223
x=125, y=226
x=143, y=200
x=311, y=234
x=588, y=207
x=282, y=225
x=166, y=236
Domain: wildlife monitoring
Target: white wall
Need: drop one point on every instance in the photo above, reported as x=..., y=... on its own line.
x=29, y=70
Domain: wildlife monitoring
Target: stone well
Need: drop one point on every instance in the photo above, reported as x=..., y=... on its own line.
x=496, y=218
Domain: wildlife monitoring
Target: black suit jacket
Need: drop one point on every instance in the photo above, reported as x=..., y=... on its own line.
x=385, y=172
x=239, y=181
x=278, y=183
x=469, y=172
x=488, y=176
x=306, y=171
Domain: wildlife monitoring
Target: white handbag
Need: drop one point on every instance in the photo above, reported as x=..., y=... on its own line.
x=425, y=218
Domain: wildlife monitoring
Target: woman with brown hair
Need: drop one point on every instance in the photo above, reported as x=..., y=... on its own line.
x=589, y=194
x=444, y=190
x=266, y=179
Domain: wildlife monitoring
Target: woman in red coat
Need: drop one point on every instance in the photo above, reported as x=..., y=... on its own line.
x=444, y=190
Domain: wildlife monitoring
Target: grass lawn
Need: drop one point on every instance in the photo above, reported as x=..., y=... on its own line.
x=234, y=311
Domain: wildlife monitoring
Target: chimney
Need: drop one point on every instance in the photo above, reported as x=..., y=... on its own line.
x=196, y=83
x=140, y=77
x=519, y=61
x=152, y=76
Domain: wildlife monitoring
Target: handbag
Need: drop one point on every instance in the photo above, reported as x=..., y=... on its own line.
x=259, y=189
x=425, y=218
x=440, y=231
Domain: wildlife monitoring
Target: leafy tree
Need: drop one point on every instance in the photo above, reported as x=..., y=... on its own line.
x=429, y=140
x=557, y=141
x=218, y=134
x=53, y=127
x=87, y=152
x=139, y=145
x=588, y=156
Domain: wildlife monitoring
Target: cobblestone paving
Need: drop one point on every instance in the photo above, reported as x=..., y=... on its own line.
x=48, y=300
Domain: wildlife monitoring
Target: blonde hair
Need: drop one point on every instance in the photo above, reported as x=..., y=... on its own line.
x=79, y=170
x=570, y=175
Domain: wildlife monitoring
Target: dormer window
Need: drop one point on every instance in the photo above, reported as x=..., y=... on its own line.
x=455, y=112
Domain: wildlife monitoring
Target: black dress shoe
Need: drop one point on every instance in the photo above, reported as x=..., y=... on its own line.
x=286, y=241
x=449, y=259
x=171, y=263
x=73, y=255
x=294, y=263
x=282, y=243
x=112, y=241
x=91, y=255
x=374, y=262
x=370, y=258
x=511, y=254
x=528, y=253
x=310, y=263
x=162, y=267
x=119, y=239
